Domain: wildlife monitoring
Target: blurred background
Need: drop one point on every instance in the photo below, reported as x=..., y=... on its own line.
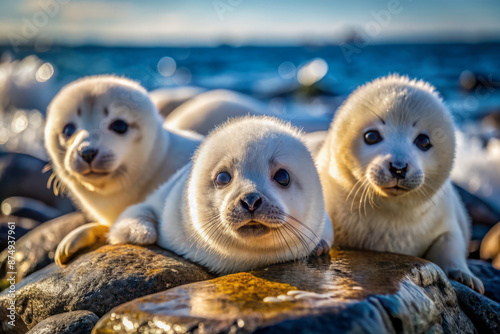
x=297, y=57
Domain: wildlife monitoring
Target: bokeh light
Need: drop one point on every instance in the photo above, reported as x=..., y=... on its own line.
x=312, y=71
x=167, y=66
x=44, y=72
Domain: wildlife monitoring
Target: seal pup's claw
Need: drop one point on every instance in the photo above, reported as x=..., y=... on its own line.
x=89, y=236
x=322, y=248
x=136, y=231
x=467, y=279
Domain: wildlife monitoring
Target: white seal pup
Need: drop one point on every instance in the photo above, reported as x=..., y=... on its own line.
x=108, y=148
x=206, y=111
x=251, y=197
x=167, y=100
x=385, y=169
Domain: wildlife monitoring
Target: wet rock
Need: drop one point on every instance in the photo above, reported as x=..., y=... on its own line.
x=36, y=249
x=482, y=311
x=98, y=281
x=490, y=277
x=353, y=291
x=21, y=175
x=77, y=322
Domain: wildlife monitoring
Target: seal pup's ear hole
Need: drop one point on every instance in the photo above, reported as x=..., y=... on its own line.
x=372, y=137
x=423, y=142
x=106, y=111
x=119, y=126
x=79, y=111
x=222, y=179
x=282, y=177
x=69, y=130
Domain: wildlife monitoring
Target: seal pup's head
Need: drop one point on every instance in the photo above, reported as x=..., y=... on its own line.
x=100, y=132
x=392, y=137
x=255, y=195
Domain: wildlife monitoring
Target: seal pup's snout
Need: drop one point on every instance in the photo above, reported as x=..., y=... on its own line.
x=251, y=202
x=398, y=169
x=88, y=153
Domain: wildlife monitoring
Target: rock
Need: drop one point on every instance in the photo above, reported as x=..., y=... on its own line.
x=23, y=226
x=21, y=175
x=29, y=208
x=351, y=292
x=481, y=213
x=493, y=119
x=98, y=281
x=482, y=311
x=36, y=249
x=490, y=277
x=483, y=216
x=77, y=322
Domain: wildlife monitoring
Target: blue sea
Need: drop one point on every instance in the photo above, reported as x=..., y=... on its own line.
x=266, y=72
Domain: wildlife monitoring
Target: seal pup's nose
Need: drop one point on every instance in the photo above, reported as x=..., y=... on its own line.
x=88, y=154
x=251, y=202
x=398, y=170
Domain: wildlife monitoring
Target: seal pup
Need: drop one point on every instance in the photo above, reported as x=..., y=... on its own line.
x=167, y=100
x=385, y=168
x=251, y=197
x=107, y=146
x=206, y=111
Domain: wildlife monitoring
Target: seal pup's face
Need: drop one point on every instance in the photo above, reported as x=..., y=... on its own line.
x=254, y=186
x=100, y=131
x=395, y=138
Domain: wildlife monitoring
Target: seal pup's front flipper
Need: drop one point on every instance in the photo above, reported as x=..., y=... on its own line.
x=138, y=224
x=86, y=237
x=326, y=241
x=445, y=252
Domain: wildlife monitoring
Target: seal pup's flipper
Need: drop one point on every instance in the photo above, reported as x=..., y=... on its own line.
x=490, y=246
x=444, y=252
x=87, y=237
x=326, y=241
x=137, y=225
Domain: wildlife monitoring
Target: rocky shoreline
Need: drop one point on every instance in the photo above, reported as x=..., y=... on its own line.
x=127, y=288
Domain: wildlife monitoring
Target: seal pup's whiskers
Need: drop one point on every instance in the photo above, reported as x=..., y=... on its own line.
x=397, y=169
x=108, y=150
x=230, y=209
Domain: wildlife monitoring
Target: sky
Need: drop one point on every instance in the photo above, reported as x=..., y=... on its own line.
x=246, y=22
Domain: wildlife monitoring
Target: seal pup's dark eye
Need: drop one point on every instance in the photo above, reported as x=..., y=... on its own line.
x=69, y=130
x=222, y=179
x=282, y=177
x=372, y=137
x=119, y=126
x=423, y=142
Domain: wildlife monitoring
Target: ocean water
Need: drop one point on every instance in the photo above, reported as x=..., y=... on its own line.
x=267, y=72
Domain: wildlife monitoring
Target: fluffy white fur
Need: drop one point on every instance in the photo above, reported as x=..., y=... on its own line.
x=206, y=111
x=127, y=167
x=209, y=225
x=422, y=217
